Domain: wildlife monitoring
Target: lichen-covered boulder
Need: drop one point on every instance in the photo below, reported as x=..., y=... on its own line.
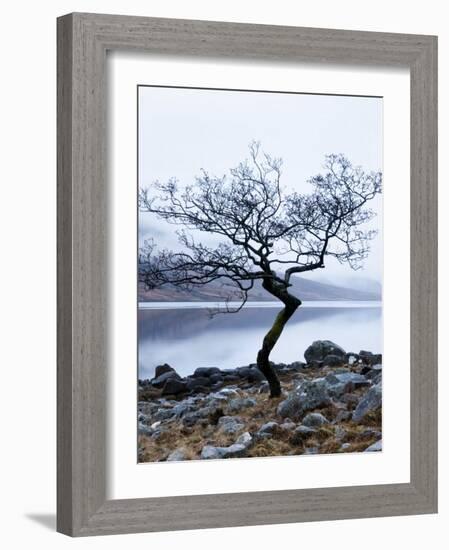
x=309, y=395
x=371, y=401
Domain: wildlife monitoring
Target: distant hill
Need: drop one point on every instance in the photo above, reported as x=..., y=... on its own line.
x=304, y=289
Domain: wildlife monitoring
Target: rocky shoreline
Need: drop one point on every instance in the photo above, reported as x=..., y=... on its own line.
x=332, y=403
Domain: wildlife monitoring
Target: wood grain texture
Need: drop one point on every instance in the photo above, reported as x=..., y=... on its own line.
x=83, y=40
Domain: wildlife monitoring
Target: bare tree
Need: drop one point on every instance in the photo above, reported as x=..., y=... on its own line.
x=266, y=234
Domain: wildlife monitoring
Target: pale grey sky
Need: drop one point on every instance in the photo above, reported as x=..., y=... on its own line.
x=184, y=130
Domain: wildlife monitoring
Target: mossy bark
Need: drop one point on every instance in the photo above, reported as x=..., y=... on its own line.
x=291, y=304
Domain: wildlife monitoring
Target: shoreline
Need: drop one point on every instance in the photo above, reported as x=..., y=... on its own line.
x=259, y=304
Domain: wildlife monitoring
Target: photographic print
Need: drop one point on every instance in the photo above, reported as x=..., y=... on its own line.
x=260, y=260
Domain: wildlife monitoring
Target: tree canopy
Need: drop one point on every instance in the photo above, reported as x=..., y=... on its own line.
x=266, y=232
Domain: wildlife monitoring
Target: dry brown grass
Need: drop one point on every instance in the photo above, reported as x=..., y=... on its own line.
x=193, y=439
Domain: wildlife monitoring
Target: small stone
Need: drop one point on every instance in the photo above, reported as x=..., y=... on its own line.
x=377, y=446
x=239, y=403
x=340, y=432
x=245, y=439
x=145, y=430
x=230, y=424
x=314, y=420
x=209, y=452
x=268, y=427
x=177, y=455
x=300, y=434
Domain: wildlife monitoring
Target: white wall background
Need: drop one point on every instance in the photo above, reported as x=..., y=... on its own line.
x=27, y=218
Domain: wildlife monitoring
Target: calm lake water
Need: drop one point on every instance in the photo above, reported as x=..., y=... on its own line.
x=186, y=337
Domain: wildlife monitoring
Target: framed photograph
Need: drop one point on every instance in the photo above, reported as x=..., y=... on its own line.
x=247, y=274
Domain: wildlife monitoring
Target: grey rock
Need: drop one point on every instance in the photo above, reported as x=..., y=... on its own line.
x=314, y=420
x=310, y=394
x=162, y=369
x=342, y=416
x=245, y=439
x=340, y=432
x=205, y=372
x=231, y=378
x=163, y=413
x=250, y=373
x=198, y=381
x=314, y=364
x=174, y=386
x=239, y=403
x=191, y=418
x=236, y=450
x=230, y=424
x=268, y=428
x=333, y=360
x=374, y=372
x=182, y=408
x=371, y=401
x=377, y=446
x=357, y=380
x=243, y=372
x=345, y=446
x=176, y=455
x=288, y=425
x=209, y=452
x=300, y=434
x=255, y=375
x=350, y=399
x=297, y=366
x=224, y=394
x=142, y=418
x=335, y=387
x=145, y=430
x=162, y=379
x=320, y=349
x=369, y=358
x=214, y=378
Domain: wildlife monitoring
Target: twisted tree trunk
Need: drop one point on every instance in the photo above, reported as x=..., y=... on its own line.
x=291, y=304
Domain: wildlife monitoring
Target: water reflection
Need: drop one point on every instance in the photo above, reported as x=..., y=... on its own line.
x=189, y=338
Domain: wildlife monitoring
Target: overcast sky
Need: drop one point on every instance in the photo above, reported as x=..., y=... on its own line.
x=184, y=130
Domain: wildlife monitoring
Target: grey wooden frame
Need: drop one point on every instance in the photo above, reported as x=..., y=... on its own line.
x=83, y=40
